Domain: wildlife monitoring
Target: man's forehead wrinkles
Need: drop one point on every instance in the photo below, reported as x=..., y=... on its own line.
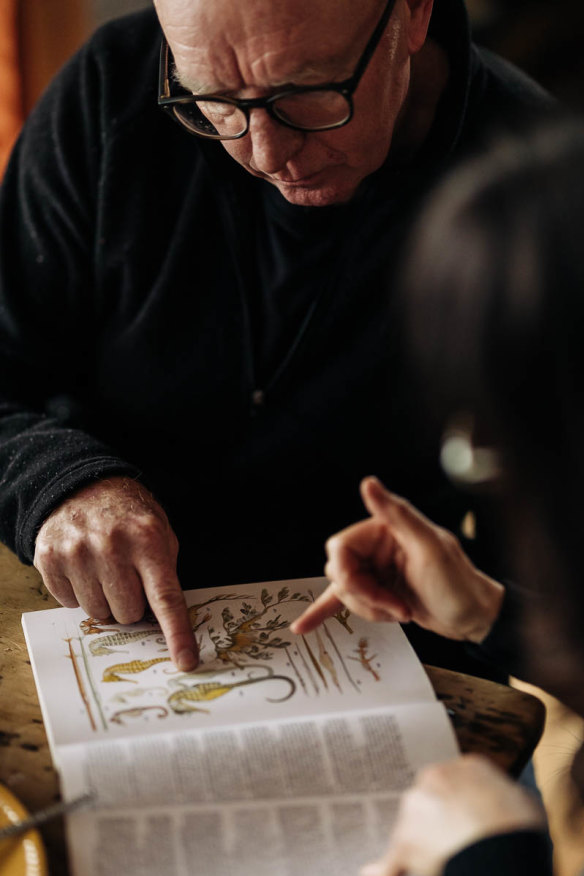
x=222, y=72
x=207, y=67
x=298, y=64
x=272, y=48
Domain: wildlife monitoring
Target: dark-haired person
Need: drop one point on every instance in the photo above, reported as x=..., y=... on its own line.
x=196, y=228
x=496, y=312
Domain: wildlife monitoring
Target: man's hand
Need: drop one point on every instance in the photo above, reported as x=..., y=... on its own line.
x=399, y=566
x=109, y=548
x=450, y=806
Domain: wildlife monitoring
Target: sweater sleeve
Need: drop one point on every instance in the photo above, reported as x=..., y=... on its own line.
x=502, y=647
x=48, y=320
x=506, y=854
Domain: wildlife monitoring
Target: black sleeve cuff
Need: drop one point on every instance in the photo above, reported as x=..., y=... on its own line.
x=508, y=854
x=63, y=486
x=503, y=646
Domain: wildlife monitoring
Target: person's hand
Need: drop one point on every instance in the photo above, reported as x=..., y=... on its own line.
x=451, y=806
x=109, y=548
x=399, y=566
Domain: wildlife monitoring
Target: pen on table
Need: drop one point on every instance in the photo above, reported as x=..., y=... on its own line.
x=43, y=815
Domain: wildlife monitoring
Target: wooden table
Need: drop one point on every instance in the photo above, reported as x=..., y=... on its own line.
x=489, y=718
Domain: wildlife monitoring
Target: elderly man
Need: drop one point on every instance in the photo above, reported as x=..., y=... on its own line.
x=198, y=342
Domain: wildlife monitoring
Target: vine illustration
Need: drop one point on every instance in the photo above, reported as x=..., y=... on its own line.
x=252, y=635
x=193, y=610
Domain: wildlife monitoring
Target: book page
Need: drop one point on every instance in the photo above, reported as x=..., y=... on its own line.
x=99, y=679
x=310, y=796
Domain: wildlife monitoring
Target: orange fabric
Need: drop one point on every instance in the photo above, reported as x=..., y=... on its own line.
x=10, y=79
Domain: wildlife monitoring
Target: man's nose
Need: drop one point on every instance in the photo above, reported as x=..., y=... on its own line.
x=273, y=144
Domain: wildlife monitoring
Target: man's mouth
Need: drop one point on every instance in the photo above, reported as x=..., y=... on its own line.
x=299, y=181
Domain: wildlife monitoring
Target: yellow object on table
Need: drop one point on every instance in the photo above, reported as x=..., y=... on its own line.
x=22, y=855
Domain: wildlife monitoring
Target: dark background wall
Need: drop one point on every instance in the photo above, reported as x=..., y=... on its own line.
x=105, y=9
x=543, y=37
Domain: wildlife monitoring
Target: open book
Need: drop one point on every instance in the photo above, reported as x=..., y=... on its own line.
x=278, y=755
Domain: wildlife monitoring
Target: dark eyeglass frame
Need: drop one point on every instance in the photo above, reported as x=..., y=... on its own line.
x=346, y=88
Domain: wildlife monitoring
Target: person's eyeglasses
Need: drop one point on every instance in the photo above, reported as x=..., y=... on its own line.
x=304, y=108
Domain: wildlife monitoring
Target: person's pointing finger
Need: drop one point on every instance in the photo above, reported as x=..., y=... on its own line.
x=167, y=601
x=402, y=518
x=327, y=605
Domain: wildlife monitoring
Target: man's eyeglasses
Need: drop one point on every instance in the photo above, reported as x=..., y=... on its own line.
x=304, y=108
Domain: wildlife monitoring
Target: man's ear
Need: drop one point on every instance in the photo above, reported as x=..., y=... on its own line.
x=420, y=12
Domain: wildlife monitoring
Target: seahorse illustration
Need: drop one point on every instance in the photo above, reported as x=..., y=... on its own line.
x=137, y=692
x=183, y=681
x=114, y=673
x=117, y=717
x=106, y=644
x=364, y=659
x=180, y=701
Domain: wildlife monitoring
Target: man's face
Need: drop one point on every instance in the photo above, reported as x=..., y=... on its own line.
x=251, y=48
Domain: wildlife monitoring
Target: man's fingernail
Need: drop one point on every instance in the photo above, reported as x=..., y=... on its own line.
x=292, y=627
x=187, y=660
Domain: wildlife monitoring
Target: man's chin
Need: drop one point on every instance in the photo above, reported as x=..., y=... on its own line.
x=316, y=195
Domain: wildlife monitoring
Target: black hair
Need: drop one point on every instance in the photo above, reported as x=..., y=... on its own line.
x=494, y=300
